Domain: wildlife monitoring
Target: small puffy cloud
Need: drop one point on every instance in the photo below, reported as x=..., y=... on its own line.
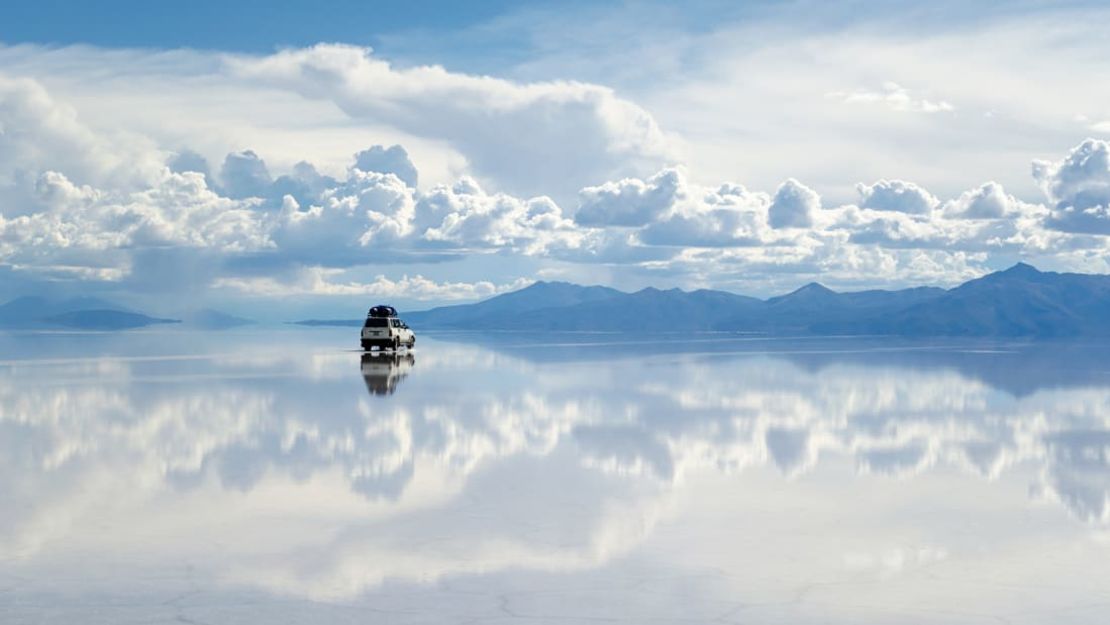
x=896, y=195
x=188, y=160
x=244, y=174
x=631, y=201
x=392, y=160
x=1078, y=188
x=989, y=201
x=895, y=97
x=1081, y=179
x=304, y=184
x=793, y=206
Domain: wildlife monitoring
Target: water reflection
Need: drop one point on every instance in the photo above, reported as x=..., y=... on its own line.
x=282, y=471
x=383, y=370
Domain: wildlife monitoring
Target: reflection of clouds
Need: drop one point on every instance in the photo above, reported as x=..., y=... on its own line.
x=903, y=460
x=1077, y=472
x=558, y=520
x=481, y=461
x=65, y=447
x=892, y=420
x=791, y=449
x=625, y=448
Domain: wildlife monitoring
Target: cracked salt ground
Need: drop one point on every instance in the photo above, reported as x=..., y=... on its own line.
x=218, y=478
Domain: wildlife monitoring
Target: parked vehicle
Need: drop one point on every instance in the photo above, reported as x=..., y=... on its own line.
x=384, y=330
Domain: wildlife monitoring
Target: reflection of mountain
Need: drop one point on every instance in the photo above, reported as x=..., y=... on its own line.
x=104, y=320
x=1017, y=367
x=383, y=370
x=29, y=311
x=209, y=319
x=566, y=464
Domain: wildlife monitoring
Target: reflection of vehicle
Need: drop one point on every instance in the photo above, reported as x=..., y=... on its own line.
x=384, y=330
x=383, y=371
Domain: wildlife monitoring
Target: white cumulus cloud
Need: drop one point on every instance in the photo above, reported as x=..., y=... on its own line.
x=631, y=201
x=896, y=195
x=793, y=206
x=550, y=136
x=1078, y=187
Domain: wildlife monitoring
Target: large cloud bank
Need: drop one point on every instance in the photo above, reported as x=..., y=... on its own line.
x=105, y=206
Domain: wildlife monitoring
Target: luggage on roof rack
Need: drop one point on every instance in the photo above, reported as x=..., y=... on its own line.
x=382, y=311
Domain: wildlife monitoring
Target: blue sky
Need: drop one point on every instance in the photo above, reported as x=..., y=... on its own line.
x=246, y=25
x=224, y=153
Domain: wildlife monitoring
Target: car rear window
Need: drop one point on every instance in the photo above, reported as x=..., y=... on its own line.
x=374, y=322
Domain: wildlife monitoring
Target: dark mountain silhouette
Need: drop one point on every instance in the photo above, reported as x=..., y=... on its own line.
x=649, y=308
x=1020, y=301
x=816, y=309
x=30, y=311
x=86, y=313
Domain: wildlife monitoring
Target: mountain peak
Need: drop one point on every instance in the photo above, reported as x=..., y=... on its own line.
x=544, y=286
x=813, y=288
x=1021, y=271
x=1020, y=268
x=807, y=294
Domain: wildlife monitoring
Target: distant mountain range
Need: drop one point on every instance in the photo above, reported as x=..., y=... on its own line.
x=1020, y=301
x=90, y=313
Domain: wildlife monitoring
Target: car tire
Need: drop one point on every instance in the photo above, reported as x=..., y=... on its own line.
x=412, y=343
x=367, y=346
x=396, y=344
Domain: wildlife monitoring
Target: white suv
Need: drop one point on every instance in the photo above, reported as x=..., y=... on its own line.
x=386, y=333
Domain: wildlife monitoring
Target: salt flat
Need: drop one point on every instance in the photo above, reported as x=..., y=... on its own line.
x=268, y=477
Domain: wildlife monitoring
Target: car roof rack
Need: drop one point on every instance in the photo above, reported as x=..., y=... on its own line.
x=382, y=310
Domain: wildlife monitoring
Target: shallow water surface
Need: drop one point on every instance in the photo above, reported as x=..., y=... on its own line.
x=280, y=477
